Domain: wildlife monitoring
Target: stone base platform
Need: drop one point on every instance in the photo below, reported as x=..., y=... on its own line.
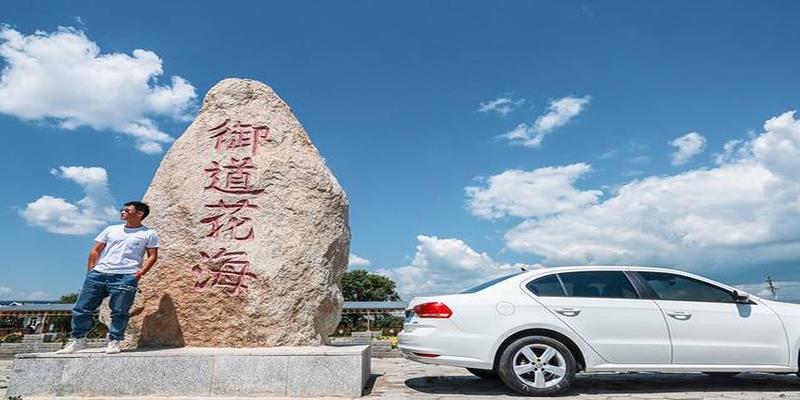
x=195, y=372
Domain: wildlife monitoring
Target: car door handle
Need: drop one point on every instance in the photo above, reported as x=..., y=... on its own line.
x=568, y=312
x=679, y=315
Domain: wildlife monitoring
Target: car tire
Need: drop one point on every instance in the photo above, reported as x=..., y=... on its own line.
x=722, y=374
x=537, y=366
x=486, y=374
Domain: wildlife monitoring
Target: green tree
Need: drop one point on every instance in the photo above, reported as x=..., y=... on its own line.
x=360, y=285
x=68, y=298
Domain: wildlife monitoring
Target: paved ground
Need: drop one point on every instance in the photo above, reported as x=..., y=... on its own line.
x=5, y=370
x=400, y=379
x=403, y=379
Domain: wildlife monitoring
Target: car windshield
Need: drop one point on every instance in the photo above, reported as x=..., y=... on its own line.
x=490, y=283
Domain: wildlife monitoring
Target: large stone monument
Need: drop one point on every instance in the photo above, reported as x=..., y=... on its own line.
x=254, y=231
x=254, y=239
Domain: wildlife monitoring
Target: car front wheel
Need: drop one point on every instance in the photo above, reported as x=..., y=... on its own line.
x=537, y=366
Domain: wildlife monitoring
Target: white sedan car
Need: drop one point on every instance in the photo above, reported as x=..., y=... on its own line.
x=536, y=329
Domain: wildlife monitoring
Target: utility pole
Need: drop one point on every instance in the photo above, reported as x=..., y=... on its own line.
x=772, y=288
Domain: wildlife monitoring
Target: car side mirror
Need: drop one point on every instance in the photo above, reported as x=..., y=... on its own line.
x=739, y=297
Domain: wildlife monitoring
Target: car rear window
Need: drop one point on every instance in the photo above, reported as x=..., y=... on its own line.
x=606, y=284
x=546, y=286
x=490, y=283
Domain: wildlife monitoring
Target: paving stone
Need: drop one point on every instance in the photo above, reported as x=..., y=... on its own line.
x=400, y=379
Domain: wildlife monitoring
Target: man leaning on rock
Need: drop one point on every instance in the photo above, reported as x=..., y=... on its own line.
x=116, y=263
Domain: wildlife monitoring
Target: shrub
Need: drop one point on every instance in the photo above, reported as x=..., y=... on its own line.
x=13, y=338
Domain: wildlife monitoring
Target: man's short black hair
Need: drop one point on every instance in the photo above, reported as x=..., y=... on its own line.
x=139, y=206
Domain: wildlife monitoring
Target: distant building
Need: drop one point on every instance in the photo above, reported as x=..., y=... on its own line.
x=31, y=316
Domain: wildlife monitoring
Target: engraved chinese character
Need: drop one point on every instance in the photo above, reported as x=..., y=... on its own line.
x=237, y=135
x=233, y=178
x=228, y=271
x=228, y=223
x=235, y=228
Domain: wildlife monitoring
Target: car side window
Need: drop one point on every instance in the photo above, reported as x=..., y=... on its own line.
x=547, y=286
x=605, y=284
x=682, y=288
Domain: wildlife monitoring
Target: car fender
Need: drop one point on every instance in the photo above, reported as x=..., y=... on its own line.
x=589, y=355
x=789, y=315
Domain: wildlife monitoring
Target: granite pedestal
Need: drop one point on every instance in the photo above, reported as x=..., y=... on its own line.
x=194, y=371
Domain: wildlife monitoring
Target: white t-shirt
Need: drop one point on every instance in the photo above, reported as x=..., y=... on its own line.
x=125, y=248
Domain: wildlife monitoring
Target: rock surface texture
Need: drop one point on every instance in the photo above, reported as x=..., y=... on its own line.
x=253, y=227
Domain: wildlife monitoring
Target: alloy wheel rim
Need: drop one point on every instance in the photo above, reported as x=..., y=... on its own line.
x=539, y=365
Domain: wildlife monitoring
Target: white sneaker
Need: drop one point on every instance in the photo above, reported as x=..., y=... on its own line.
x=73, y=346
x=113, y=347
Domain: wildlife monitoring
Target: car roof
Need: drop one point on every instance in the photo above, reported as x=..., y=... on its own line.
x=572, y=268
x=575, y=268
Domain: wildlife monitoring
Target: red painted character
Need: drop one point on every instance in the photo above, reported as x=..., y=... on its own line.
x=237, y=135
x=228, y=271
x=233, y=178
x=230, y=225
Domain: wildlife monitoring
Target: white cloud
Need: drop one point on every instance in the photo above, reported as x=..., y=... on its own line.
x=608, y=155
x=63, y=77
x=57, y=215
x=501, y=105
x=356, y=261
x=534, y=193
x=731, y=151
x=688, y=146
x=744, y=211
x=7, y=293
x=641, y=159
x=778, y=148
x=630, y=173
x=37, y=295
x=560, y=112
x=446, y=266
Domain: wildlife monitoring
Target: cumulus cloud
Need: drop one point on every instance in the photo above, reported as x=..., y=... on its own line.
x=445, y=266
x=744, y=211
x=57, y=215
x=64, y=78
x=731, y=151
x=778, y=148
x=560, y=112
x=534, y=193
x=356, y=261
x=688, y=146
x=501, y=105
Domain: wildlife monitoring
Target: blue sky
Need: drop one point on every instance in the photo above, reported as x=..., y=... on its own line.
x=470, y=137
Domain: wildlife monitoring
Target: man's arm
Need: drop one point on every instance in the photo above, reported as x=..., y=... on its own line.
x=94, y=254
x=152, y=256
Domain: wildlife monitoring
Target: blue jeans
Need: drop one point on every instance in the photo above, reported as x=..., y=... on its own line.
x=96, y=287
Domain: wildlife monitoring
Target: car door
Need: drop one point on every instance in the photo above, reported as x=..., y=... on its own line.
x=604, y=309
x=707, y=327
